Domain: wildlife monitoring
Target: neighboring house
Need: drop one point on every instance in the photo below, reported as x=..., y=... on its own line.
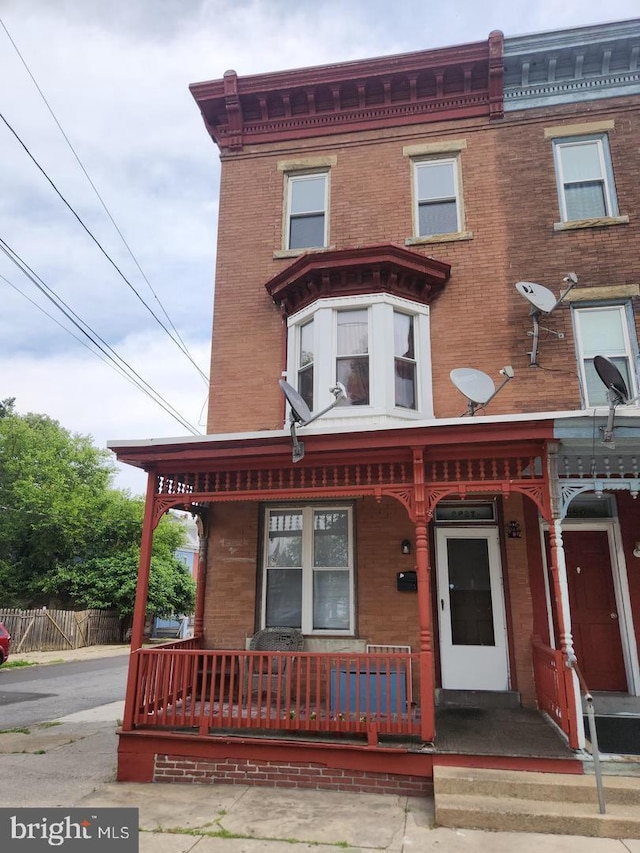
x=181, y=625
x=375, y=217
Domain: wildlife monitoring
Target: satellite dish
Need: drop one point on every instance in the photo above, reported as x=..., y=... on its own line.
x=617, y=392
x=544, y=302
x=478, y=387
x=300, y=413
x=474, y=384
x=612, y=379
x=540, y=297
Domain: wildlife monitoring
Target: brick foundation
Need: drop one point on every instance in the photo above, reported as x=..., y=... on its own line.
x=285, y=774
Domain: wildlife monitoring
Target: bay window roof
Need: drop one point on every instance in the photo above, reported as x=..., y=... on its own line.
x=384, y=268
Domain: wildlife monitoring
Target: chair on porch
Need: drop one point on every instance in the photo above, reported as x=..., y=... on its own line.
x=271, y=640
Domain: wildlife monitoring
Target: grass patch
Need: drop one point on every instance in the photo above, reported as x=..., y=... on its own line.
x=39, y=752
x=14, y=664
x=49, y=725
x=16, y=731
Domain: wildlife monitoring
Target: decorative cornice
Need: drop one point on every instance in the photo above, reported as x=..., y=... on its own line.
x=566, y=66
x=432, y=85
x=383, y=268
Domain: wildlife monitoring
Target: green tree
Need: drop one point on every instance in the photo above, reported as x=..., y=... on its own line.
x=66, y=533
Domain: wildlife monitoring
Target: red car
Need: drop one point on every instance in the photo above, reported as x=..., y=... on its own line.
x=5, y=642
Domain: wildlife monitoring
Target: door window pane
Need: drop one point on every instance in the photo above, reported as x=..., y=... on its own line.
x=470, y=600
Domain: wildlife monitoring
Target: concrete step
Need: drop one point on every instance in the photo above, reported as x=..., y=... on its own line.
x=526, y=785
x=517, y=815
x=522, y=801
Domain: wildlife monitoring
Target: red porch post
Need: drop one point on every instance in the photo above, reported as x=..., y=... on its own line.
x=427, y=703
x=140, y=606
x=198, y=623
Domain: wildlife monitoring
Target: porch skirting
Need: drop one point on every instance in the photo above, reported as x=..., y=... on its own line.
x=171, y=757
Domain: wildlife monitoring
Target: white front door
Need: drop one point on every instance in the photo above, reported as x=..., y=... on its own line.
x=473, y=636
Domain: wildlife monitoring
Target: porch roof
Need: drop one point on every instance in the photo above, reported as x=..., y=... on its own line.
x=148, y=454
x=572, y=428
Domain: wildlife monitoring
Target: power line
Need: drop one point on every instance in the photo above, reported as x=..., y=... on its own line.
x=110, y=363
x=85, y=329
x=93, y=186
x=100, y=247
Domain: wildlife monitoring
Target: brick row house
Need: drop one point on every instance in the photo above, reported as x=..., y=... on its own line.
x=459, y=573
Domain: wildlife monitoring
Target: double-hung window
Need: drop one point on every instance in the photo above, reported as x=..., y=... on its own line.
x=306, y=211
x=585, y=178
x=377, y=346
x=437, y=197
x=305, y=363
x=308, y=574
x=352, y=356
x=604, y=330
x=404, y=361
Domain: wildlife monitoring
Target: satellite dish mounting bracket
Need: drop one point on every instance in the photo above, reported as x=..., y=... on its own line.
x=542, y=301
x=301, y=416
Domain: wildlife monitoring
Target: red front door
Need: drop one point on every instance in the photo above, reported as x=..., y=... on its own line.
x=594, y=614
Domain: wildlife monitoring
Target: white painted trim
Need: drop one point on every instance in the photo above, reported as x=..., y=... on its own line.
x=501, y=648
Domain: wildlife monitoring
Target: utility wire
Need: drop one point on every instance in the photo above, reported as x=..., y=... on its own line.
x=100, y=247
x=95, y=339
x=108, y=362
x=93, y=186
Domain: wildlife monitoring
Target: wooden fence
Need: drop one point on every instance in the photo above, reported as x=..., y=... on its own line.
x=49, y=630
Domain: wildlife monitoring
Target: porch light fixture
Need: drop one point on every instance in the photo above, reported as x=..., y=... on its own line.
x=405, y=546
x=514, y=531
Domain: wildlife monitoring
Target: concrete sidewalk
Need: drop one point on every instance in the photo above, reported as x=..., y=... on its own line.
x=73, y=764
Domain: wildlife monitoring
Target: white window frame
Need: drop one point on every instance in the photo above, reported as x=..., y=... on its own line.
x=429, y=162
x=307, y=565
x=291, y=178
x=606, y=172
x=627, y=349
x=381, y=408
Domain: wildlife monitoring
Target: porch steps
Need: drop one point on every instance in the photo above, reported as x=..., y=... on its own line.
x=522, y=801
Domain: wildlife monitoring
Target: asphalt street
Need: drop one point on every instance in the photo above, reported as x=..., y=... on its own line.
x=42, y=693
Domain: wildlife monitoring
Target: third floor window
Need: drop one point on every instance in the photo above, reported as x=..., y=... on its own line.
x=585, y=178
x=306, y=217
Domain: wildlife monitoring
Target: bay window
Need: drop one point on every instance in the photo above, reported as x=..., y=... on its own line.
x=377, y=346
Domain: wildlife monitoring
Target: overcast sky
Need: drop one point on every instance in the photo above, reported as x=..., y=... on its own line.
x=116, y=75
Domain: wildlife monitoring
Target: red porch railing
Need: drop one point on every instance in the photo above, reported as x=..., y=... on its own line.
x=554, y=688
x=301, y=693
